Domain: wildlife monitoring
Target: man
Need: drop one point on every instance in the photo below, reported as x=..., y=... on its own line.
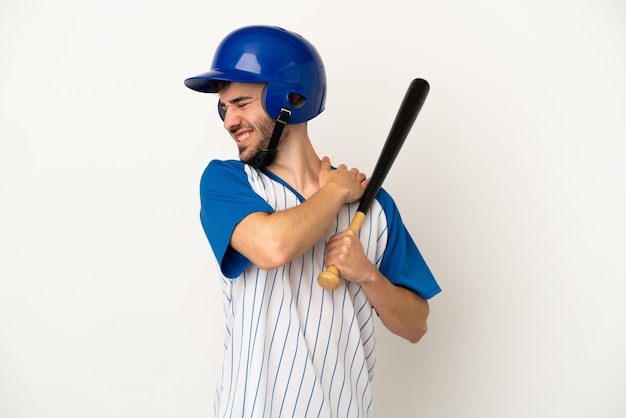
x=274, y=219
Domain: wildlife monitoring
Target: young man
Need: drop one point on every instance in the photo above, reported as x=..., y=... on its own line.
x=274, y=219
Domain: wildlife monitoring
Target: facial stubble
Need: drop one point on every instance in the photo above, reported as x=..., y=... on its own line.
x=264, y=128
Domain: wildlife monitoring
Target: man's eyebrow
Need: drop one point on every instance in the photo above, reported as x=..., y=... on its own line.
x=237, y=100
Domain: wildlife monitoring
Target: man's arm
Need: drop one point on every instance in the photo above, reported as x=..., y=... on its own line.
x=270, y=240
x=401, y=310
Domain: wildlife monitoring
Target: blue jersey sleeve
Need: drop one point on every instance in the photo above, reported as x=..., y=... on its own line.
x=402, y=262
x=226, y=198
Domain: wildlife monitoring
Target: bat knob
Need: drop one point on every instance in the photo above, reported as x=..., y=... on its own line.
x=329, y=279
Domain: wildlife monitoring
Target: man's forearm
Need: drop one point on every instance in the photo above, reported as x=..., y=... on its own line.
x=401, y=310
x=272, y=240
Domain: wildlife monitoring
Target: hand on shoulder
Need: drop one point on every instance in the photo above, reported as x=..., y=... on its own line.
x=351, y=183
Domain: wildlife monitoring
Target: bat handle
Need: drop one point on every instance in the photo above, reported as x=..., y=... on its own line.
x=329, y=279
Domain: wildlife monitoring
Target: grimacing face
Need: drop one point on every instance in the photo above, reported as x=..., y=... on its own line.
x=245, y=118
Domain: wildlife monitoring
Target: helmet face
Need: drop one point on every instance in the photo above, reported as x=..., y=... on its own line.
x=284, y=60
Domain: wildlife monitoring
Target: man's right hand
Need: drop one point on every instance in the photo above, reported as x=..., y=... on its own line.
x=349, y=183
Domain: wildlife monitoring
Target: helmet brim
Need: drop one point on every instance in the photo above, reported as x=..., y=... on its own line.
x=206, y=82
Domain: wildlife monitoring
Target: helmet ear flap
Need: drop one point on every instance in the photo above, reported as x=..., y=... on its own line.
x=280, y=95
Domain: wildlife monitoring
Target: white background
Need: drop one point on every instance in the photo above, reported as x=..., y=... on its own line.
x=513, y=183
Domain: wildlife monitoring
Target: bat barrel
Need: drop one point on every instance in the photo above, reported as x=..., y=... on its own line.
x=409, y=109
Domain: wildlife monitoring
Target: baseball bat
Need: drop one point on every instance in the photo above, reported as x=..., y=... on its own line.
x=405, y=118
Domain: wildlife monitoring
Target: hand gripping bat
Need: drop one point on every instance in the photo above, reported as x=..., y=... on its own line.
x=407, y=113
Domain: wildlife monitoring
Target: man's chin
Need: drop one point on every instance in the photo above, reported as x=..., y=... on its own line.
x=246, y=157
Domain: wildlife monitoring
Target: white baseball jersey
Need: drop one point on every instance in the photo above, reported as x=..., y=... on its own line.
x=291, y=348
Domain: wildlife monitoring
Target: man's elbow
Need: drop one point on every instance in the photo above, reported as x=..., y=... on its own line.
x=418, y=333
x=271, y=255
x=268, y=263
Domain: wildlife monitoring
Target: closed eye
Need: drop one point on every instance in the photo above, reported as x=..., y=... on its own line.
x=240, y=102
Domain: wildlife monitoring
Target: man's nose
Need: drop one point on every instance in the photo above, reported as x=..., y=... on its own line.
x=232, y=118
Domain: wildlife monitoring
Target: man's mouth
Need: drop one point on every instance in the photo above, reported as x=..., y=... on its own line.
x=242, y=137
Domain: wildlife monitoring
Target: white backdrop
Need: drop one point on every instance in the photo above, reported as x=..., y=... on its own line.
x=513, y=183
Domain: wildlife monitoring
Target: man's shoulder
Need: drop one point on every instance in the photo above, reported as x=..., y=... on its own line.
x=226, y=164
x=223, y=174
x=386, y=201
x=220, y=168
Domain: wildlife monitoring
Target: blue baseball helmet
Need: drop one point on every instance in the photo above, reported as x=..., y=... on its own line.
x=287, y=62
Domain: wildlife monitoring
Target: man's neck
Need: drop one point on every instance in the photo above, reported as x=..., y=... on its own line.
x=298, y=165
